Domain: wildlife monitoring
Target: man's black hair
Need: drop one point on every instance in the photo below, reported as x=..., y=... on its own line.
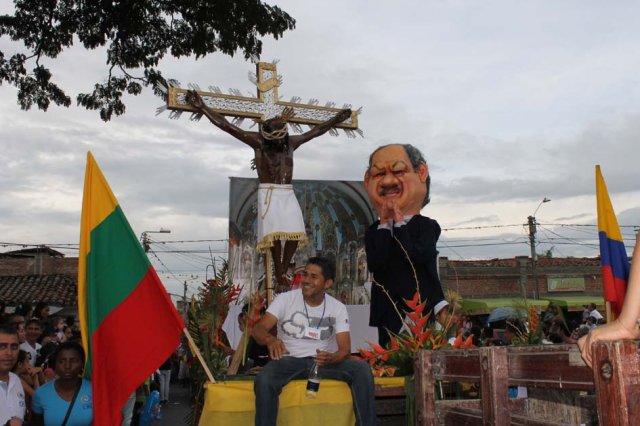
x=33, y=321
x=327, y=266
x=416, y=158
x=8, y=329
x=39, y=307
x=66, y=346
x=23, y=308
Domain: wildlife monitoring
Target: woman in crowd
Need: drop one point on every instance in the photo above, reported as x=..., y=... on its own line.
x=28, y=375
x=67, y=334
x=66, y=400
x=41, y=312
x=28, y=378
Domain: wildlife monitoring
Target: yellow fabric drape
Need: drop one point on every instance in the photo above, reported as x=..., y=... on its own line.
x=233, y=403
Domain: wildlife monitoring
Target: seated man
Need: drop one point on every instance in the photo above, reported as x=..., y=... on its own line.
x=311, y=325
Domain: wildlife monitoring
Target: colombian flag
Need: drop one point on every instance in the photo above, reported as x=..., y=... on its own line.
x=129, y=324
x=613, y=256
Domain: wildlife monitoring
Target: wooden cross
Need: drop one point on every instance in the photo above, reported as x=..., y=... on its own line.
x=266, y=105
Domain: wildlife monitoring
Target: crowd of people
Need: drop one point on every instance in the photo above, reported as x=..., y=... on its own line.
x=41, y=365
x=555, y=327
x=42, y=361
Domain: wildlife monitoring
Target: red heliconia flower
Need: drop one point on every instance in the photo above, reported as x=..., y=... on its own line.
x=427, y=333
x=366, y=354
x=422, y=322
x=394, y=343
x=424, y=337
x=420, y=308
x=413, y=316
x=378, y=372
x=458, y=342
x=415, y=330
x=413, y=303
x=377, y=348
x=468, y=343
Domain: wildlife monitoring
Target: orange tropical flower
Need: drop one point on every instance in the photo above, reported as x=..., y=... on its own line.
x=397, y=357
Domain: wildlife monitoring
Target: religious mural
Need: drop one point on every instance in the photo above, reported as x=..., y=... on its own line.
x=336, y=215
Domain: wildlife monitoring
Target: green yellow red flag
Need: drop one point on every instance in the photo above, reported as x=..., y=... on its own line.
x=129, y=324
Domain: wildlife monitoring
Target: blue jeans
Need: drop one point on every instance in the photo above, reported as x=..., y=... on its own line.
x=277, y=373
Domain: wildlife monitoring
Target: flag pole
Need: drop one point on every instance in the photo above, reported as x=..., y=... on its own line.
x=610, y=314
x=234, y=366
x=195, y=350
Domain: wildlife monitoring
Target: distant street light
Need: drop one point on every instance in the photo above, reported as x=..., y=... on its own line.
x=144, y=238
x=544, y=200
x=532, y=240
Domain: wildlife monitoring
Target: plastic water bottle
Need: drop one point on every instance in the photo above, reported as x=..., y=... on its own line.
x=313, y=383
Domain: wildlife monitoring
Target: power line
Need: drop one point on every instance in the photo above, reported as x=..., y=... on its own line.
x=479, y=227
x=488, y=244
x=223, y=240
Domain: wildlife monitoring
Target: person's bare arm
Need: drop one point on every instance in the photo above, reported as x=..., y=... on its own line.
x=250, y=138
x=320, y=129
x=27, y=387
x=626, y=325
x=344, y=349
x=261, y=332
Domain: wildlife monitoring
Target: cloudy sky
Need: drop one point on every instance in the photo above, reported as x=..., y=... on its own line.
x=510, y=101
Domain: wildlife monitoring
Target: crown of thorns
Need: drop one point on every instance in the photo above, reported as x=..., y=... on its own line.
x=286, y=115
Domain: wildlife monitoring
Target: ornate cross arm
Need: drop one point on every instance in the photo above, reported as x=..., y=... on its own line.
x=266, y=105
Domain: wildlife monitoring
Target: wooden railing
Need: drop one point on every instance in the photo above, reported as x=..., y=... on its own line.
x=561, y=388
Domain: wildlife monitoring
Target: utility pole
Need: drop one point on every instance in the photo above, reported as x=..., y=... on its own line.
x=184, y=297
x=145, y=242
x=534, y=256
x=532, y=241
x=144, y=238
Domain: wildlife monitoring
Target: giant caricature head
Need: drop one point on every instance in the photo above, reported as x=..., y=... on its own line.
x=398, y=173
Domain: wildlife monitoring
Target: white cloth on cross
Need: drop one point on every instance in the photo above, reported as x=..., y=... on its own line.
x=279, y=216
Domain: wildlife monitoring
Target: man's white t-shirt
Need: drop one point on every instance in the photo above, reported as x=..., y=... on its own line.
x=597, y=315
x=328, y=318
x=11, y=399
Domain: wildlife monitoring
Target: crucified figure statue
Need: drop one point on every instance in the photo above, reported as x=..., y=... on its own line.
x=280, y=223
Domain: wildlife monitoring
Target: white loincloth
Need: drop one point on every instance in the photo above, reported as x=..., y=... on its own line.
x=279, y=216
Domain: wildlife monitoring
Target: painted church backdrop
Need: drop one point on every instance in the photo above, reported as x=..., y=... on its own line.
x=336, y=215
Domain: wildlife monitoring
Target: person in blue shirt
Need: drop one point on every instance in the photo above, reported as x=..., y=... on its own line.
x=52, y=401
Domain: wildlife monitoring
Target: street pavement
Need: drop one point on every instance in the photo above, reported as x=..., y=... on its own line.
x=174, y=412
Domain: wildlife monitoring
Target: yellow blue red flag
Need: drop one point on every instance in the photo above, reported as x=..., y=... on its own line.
x=613, y=255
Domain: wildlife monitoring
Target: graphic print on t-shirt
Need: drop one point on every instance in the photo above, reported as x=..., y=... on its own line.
x=297, y=323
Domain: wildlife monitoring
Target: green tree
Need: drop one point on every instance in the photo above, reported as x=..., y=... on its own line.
x=137, y=35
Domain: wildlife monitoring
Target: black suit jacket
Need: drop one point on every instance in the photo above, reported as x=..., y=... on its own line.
x=392, y=269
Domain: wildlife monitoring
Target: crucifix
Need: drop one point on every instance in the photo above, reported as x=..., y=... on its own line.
x=280, y=224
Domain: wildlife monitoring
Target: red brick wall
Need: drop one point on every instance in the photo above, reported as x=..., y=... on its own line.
x=38, y=266
x=506, y=277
